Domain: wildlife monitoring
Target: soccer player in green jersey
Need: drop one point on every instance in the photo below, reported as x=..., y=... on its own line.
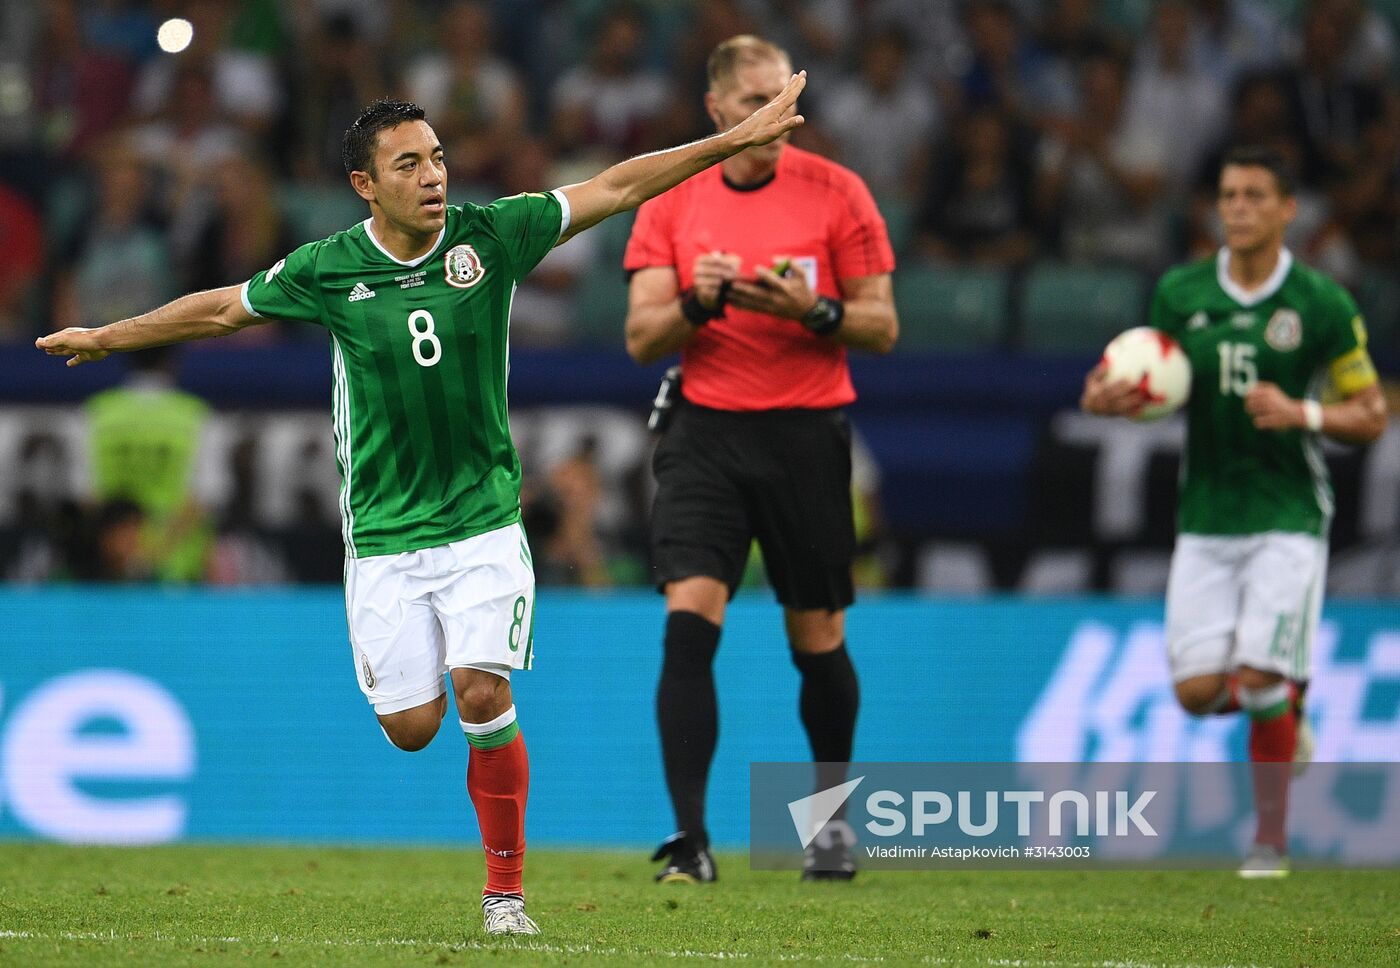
x=417, y=298
x=1278, y=358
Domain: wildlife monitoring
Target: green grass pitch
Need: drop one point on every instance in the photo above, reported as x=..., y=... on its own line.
x=216, y=905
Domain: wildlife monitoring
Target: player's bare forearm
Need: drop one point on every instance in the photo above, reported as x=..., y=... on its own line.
x=214, y=312
x=869, y=324
x=627, y=184
x=200, y=315
x=656, y=332
x=655, y=327
x=1359, y=419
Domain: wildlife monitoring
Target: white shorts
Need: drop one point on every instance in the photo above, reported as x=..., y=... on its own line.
x=1252, y=600
x=415, y=615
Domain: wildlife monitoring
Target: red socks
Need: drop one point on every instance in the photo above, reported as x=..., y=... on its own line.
x=498, y=781
x=1273, y=740
x=1273, y=736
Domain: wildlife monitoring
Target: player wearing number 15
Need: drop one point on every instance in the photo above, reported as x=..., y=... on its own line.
x=416, y=299
x=1269, y=340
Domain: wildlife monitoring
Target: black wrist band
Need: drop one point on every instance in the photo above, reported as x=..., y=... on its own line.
x=825, y=317
x=695, y=314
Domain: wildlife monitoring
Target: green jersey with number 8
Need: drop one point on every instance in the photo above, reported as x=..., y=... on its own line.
x=419, y=361
x=1299, y=330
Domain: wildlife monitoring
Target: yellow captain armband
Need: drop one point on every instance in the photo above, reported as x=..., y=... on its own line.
x=1358, y=326
x=1352, y=372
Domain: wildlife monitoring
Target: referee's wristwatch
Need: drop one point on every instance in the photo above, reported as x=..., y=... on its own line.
x=825, y=317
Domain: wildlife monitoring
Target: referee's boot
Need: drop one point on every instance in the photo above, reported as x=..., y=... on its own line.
x=688, y=860
x=831, y=854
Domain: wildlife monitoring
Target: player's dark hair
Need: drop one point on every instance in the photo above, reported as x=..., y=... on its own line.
x=1269, y=158
x=357, y=149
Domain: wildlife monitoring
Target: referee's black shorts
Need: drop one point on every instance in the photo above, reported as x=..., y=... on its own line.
x=782, y=477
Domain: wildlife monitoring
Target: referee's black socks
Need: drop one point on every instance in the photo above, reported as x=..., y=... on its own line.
x=688, y=715
x=828, y=704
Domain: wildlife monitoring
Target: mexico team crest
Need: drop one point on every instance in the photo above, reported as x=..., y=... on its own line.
x=1285, y=330
x=462, y=267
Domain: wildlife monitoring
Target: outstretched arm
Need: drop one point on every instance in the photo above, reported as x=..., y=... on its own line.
x=629, y=183
x=215, y=312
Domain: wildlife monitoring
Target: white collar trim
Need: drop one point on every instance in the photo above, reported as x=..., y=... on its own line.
x=369, y=231
x=1252, y=297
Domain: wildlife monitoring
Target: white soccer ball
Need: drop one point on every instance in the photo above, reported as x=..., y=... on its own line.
x=1156, y=363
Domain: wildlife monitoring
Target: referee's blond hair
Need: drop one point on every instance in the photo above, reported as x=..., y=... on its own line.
x=741, y=51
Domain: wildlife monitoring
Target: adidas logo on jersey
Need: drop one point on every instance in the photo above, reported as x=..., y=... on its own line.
x=361, y=291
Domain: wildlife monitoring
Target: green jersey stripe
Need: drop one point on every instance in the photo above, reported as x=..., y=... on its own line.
x=340, y=412
x=1312, y=452
x=348, y=428
x=417, y=433
x=438, y=401
x=367, y=464
x=387, y=459
x=400, y=446
x=338, y=432
x=510, y=307
x=476, y=397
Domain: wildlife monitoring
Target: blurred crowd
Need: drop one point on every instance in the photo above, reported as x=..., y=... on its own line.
x=993, y=132
x=996, y=135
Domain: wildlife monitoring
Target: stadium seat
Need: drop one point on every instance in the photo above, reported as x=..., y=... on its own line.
x=899, y=214
x=1071, y=309
x=1141, y=572
x=317, y=211
x=476, y=192
x=1379, y=298
x=1390, y=9
x=1129, y=15
x=611, y=239
x=68, y=201
x=954, y=568
x=946, y=308
x=600, y=308
x=1135, y=16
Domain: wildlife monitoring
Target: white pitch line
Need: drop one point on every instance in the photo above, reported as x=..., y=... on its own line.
x=582, y=949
